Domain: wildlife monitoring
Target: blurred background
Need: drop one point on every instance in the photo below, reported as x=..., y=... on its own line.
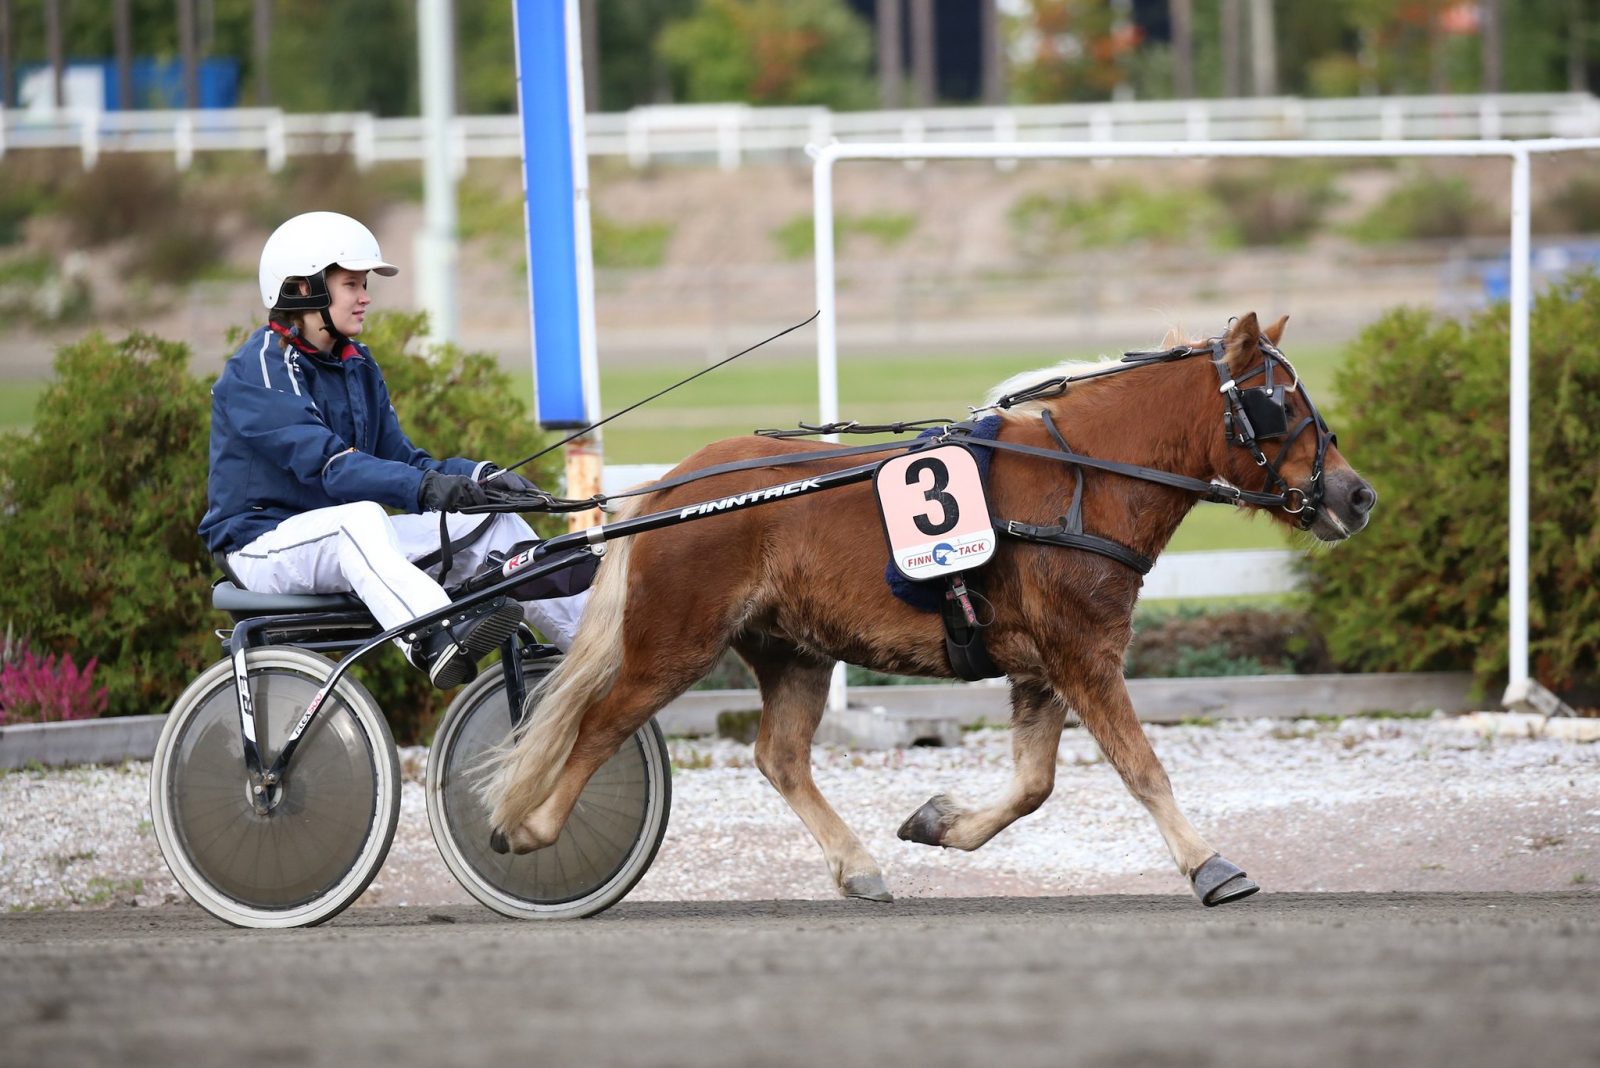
x=148, y=147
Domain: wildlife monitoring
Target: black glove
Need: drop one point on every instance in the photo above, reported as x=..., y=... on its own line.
x=509, y=481
x=440, y=492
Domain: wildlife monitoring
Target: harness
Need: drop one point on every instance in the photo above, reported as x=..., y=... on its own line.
x=1251, y=416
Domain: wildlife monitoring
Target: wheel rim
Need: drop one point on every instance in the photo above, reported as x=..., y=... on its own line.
x=600, y=839
x=307, y=844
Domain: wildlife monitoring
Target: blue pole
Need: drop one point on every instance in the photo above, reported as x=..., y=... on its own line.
x=550, y=192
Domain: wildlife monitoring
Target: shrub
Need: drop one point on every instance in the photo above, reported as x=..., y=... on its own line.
x=1279, y=203
x=1124, y=214
x=1425, y=403
x=1421, y=208
x=99, y=504
x=1195, y=642
x=48, y=690
x=619, y=244
x=797, y=238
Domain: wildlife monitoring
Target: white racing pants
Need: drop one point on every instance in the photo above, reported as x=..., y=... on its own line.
x=359, y=548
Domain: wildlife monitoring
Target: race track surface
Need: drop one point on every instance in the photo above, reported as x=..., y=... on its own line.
x=1280, y=979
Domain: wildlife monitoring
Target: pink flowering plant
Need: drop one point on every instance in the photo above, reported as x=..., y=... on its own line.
x=34, y=690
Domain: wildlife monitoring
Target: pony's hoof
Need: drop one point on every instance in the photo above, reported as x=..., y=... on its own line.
x=1219, y=881
x=499, y=842
x=928, y=824
x=869, y=887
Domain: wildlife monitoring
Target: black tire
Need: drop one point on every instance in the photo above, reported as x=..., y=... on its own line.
x=319, y=847
x=604, y=850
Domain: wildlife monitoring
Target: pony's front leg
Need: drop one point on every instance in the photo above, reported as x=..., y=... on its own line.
x=1037, y=715
x=794, y=693
x=1100, y=696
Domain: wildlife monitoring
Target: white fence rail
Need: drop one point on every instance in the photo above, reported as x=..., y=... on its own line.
x=730, y=134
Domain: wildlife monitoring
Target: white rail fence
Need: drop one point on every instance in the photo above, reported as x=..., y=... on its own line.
x=731, y=134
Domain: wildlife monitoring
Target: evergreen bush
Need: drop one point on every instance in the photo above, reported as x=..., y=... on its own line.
x=98, y=505
x=100, y=501
x=1424, y=415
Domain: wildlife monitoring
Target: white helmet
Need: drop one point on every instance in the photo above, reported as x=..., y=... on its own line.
x=309, y=244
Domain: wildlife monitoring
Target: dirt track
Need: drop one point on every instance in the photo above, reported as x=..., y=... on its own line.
x=1285, y=979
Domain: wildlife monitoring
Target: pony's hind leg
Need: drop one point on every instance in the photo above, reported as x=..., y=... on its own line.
x=1037, y=715
x=794, y=693
x=1101, y=699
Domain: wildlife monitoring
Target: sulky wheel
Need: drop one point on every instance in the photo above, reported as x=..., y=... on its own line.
x=605, y=848
x=330, y=820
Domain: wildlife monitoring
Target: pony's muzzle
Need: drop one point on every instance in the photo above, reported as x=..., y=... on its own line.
x=1347, y=506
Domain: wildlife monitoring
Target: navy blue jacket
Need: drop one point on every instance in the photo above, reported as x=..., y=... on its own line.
x=291, y=432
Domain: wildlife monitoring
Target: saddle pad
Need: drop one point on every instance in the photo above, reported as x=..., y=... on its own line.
x=929, y=596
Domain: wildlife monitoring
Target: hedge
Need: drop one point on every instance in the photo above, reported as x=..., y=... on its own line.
x=1424, y=415
x=100, y=499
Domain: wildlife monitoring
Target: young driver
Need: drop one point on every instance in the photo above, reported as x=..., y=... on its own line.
x=306, y=455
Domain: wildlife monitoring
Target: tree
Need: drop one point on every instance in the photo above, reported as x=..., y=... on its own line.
x=1069, y=50
x=771, y=52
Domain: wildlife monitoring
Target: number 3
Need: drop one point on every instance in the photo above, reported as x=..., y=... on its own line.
x=935, y=494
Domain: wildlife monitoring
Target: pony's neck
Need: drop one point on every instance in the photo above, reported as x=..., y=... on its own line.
x=1163, y=417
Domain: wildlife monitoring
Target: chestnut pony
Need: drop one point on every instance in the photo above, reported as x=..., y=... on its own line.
x=796, y=585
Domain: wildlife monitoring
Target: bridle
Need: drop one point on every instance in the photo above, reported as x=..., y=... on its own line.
x=1250, y=416
x=1261, y=414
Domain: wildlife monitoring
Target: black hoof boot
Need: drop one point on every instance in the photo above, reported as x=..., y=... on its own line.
x=1219, y=881
x=499, y=842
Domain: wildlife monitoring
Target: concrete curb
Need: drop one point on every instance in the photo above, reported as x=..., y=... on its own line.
x=82, y=741
x=884, y=716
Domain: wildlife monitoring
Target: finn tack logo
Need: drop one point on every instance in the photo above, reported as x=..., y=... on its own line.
x=945, y=557
x=739, y=500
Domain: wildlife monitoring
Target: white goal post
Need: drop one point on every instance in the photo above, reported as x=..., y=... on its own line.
x=1521, y=690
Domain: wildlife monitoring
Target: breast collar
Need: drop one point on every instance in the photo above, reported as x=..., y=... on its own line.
x=344, y=348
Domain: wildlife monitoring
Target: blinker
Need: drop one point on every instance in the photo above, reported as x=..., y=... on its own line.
x=1265, y=408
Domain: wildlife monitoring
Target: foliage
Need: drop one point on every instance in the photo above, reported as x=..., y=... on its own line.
x=34, y=288
x=170, y=231
x=50, y=690
x=99, y=503
x=1046, y=224
x=625, y=245
x=1425, y=416
x=771, y=52
x=797, y=238
x=1574, y=208
x=1192, y=641
x=98, y=506
x=1423, y=207
x=1065, y=50
x=1278, y=203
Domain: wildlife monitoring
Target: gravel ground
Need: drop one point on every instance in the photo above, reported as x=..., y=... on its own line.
x=1357, y=805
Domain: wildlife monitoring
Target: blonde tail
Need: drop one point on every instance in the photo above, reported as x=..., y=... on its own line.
x=521, y=774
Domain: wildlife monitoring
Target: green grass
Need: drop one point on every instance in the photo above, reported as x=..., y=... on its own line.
x=16, y=403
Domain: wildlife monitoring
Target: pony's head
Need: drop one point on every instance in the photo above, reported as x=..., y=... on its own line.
x=1275, y=441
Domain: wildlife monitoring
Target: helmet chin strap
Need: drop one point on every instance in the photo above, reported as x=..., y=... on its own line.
x=340, y=341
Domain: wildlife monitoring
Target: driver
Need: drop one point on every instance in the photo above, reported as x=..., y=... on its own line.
x=306, y=452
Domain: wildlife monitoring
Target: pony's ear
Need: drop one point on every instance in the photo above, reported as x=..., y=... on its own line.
x=1243, y=342
x=1274, y=333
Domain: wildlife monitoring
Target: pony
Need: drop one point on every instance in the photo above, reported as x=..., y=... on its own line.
x=798, y=584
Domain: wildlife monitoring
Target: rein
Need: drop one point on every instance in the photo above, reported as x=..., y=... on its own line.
x=1251, y=416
